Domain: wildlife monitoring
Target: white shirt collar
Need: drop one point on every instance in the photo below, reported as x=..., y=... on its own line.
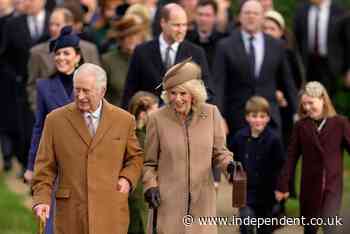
x=246, y=36
x=164, y=44
x=40, y=17
x=97, y=113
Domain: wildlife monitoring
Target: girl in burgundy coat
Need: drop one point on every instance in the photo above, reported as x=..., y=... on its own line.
x=320, y=136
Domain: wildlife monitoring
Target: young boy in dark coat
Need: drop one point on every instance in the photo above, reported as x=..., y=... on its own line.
x=260, y=151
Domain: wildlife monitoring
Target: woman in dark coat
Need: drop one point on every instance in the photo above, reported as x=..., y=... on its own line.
x=54, y=92
x=320, y=136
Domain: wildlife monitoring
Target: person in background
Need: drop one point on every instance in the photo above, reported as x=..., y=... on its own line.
x=317, y=30
x=141, y=105
x=225, y=19
x=184, y=139
x=141, y=11
x=103, y=24
x=129, y=32
x=320, y=137
x=250, y=63
x=54, y=92
x=18, y=36
x=274, y=25
x=7, y=91
x=151, y=59
x=260, y=150
x=41, y=61
x=205, y=33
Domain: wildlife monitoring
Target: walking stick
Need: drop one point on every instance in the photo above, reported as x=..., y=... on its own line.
x=42, y=222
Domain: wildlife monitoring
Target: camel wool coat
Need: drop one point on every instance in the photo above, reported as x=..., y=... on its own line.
x=178, y=160
x=88, y=169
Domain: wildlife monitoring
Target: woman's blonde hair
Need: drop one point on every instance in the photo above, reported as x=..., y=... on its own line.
x=316, y=90
x=197, y=90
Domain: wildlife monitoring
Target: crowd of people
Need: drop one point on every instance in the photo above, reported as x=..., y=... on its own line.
x=124, y=114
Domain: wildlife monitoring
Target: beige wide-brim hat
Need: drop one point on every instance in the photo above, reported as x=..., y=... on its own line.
x=128, y=25
x=181, y=73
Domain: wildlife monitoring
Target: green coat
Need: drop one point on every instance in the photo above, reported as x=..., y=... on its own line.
x=137, y=205
x=116, y=64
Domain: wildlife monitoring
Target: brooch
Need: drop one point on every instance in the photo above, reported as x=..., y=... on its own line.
x=203, y=115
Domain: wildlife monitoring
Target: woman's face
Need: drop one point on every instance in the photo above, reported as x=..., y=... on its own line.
x=271, y=28
x=313, y=106
x=180, y=100
x=66, y=60
x=129, y=43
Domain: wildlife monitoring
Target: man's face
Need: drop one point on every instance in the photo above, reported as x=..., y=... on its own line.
x=56, y=24
x=205, y=18
x=174, y=30
x=251, y=16
x=87, y=95
x=5, y=4
x=34, y=6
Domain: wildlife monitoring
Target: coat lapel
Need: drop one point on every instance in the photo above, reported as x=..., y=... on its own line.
x=156, y=58
x=242, y=54
x=77, y=121
x=104, y=124
x=58, y=92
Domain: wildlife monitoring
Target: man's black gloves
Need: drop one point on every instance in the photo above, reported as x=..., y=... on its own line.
x=152, y=196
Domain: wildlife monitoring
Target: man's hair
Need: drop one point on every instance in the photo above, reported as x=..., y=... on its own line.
x=96, y=71
x=211, y=3
x=166, y=10
x=67, y=14
x=257, y=104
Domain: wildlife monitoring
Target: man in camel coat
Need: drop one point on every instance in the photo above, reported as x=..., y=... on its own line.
x=91, y=146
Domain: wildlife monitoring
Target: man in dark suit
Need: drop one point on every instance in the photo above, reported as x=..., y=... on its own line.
x=151, y=59
x=205, y=33
x=20, y=33
x=316, y=28
x=250, y=63
x=7, y=121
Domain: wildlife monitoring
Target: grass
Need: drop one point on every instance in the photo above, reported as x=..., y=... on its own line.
x=293, y=204
x=14, y=217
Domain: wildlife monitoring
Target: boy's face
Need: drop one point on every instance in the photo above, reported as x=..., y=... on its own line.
x=257, y=120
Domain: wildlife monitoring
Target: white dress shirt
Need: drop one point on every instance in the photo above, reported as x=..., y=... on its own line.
x=40, y=21
x=96, y=116
x=259, y=46
x=324, y=10
x=163, y=45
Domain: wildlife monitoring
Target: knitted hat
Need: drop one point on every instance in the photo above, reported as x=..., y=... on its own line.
x=277, y=17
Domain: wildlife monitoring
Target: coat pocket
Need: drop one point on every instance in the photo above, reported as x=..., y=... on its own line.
x=63, y=193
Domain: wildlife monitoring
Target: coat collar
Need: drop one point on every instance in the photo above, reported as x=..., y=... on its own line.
x=201, y=114
x=77, y=121
x=58, y=92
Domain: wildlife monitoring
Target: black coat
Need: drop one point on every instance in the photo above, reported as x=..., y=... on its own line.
x=336, y=52
x=209, y=46
x=146, y=67
x=262, y=159
x=234, y=85
x=14, y=54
